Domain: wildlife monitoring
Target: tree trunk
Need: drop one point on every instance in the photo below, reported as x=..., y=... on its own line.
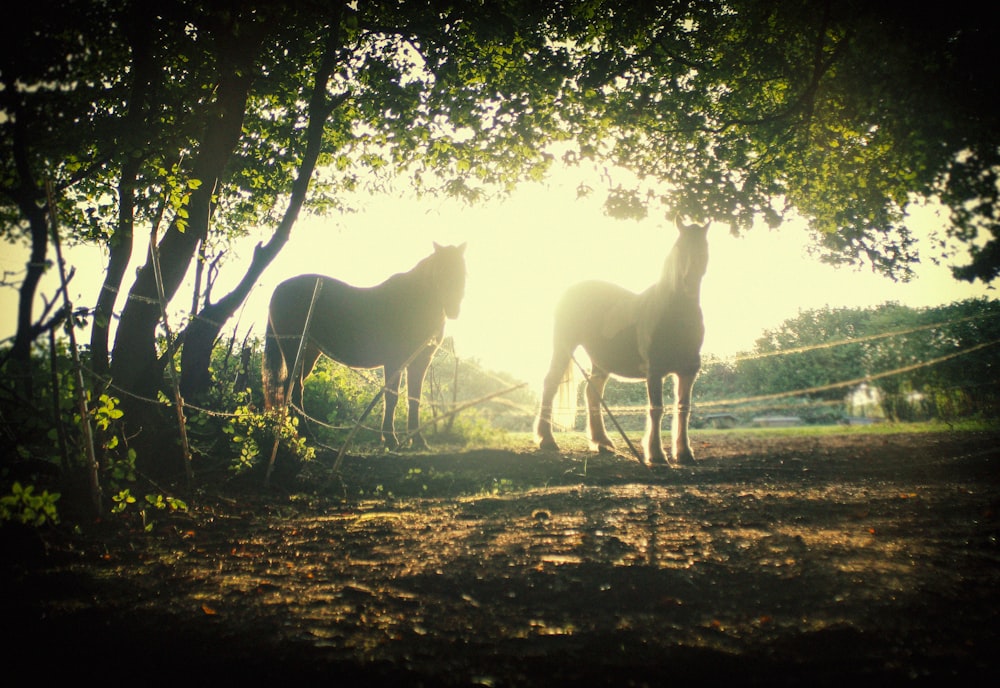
x=135, y=367
x=144, y=73
x=19, y=366
x=27, y=195
x=119, y=254
x=203, y=330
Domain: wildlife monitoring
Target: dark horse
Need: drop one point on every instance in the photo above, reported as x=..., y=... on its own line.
x=398, y=323
x=637, y=336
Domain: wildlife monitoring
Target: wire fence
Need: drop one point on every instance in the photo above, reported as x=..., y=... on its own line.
x=373, y=381
x=446, y=410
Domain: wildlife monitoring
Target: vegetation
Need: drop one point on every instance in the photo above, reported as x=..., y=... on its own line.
x=230, y=437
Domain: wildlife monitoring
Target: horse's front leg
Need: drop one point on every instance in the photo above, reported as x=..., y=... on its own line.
x=683, y=456
x=392, y=382
x=414, y=387
x=652, y=445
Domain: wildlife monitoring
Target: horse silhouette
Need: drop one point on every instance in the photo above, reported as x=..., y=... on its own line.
x=634, y=336
x=394, y=325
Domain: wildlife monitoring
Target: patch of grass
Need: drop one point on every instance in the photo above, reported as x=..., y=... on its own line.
x=577, y=441
x=884, y=428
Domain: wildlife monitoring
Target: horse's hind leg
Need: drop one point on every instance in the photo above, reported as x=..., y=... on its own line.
x=310, y=354
x=599, y=440
x=682, y=413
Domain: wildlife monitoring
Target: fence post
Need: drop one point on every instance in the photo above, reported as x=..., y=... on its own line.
x=290, y=384
x=171, y=373
x=371, y=404
x=614, y=420
x=81, y=394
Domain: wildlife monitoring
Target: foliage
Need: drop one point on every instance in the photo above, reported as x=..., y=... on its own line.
x=23, y=506
x=124, y=504
x=337, y=396
x=843, y=113
x=253, y=434
x=922, y=363
x=453, y=380
x=917, y=363
x=51, y=443
x=334, y=398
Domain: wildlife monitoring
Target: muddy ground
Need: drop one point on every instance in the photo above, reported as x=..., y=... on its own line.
x=775, y=560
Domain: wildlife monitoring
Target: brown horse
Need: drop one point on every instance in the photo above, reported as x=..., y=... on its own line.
x=634, y=336
x=398, y=323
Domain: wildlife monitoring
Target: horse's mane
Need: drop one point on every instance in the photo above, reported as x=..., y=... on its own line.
x=671, y=273
x=421, y=271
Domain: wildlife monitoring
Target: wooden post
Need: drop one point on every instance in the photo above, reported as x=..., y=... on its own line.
x=171, y=373
x=631, y=447
x=371, y=405
x=293, y=375
x=81, y=394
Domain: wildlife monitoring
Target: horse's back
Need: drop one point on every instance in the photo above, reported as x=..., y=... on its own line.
x=336, y=312
x=361, y=327
x=595, y=308
x=628, y=334
x=292, y=298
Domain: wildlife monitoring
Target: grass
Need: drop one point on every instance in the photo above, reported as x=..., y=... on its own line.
x=885, y=428
x=575, y=440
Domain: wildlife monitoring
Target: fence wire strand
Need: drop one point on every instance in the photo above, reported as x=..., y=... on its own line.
x=452, y=408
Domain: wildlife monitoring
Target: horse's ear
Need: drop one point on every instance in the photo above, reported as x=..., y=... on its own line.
x=438, y=248
x=692, y=227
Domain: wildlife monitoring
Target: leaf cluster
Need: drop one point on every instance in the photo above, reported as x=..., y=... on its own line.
x=844, y=113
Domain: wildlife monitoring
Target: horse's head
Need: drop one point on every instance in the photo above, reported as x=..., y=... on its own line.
x=448, y=277
x=689, y=258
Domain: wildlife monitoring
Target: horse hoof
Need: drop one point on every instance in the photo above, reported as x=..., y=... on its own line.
x=547, y=443
x=683, y=458
x=654, y=459
x=602, y=447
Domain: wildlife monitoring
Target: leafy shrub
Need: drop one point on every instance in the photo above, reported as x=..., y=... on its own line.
x=23, y=506
x=252, y=434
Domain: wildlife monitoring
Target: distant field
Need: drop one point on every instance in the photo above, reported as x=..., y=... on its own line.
x=576, y=441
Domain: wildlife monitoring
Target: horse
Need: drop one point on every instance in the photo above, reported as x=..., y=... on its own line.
x=634, y=336
x=394, y=325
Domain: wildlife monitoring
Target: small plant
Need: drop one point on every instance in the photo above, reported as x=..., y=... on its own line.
x=125, y=502
x=23, y=506
x=498, y=487
x=250, y=431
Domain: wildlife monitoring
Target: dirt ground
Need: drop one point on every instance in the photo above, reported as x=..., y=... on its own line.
x=775, y=560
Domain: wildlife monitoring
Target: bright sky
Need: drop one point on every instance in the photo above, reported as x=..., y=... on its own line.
x=523, y=252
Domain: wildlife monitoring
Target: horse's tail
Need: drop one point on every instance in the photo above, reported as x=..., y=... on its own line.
x=564, y=408
x=274, y=371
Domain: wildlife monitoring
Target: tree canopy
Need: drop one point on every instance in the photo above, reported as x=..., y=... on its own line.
x=195, y=120
x=845, y=113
